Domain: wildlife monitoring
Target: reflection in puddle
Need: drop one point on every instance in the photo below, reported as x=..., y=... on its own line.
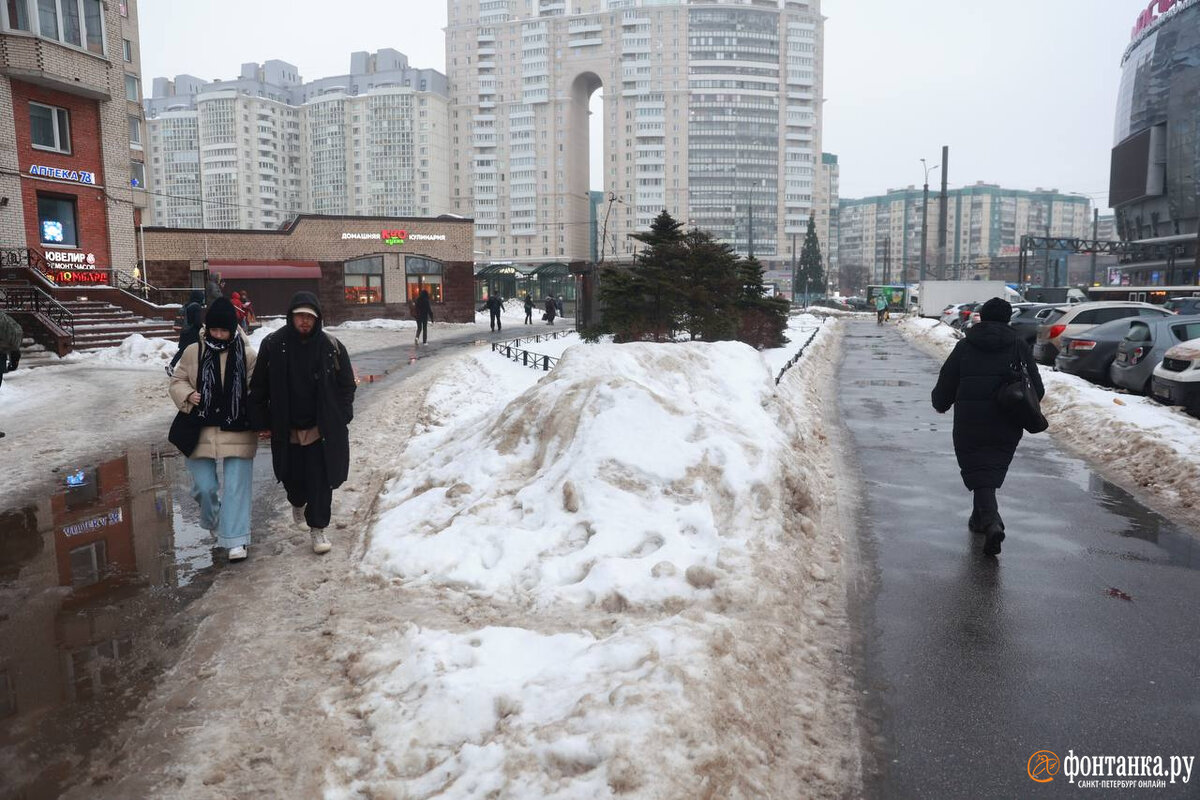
x=91, y=572
x=1179, y=546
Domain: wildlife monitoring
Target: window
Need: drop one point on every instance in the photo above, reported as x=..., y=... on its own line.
x=88, y=563
x=127, y=50
x=423, y=273
x=131, y=88
x=18, y=15
x=56, y=220
x=135, y=131
x=79, y=23
x=137, y=174
x=50, y=128
x=363, y=279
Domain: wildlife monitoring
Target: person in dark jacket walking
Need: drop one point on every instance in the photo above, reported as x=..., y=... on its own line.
x=212, y=290
x=189, y=332
x=551, y=309
x=985, y=438
x=423, y=311
x=302, y=391
x=528, y=309
x=494, y=304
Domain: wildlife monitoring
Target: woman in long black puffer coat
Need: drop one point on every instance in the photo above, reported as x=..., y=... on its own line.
x=984, y=437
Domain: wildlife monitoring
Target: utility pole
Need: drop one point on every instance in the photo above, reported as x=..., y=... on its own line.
x=750, y=215
x=1095, y=243
x=924, y=224
x=942, y=213
x=1046, y=269
x=793, y=266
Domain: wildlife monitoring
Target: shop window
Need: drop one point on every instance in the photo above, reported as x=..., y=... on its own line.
x=423, y=273
x=50, y=128
x=364, y=280
x=88, y=563
x=56, y=221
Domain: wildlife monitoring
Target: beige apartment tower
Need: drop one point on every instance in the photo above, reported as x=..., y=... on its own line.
x=711, y=111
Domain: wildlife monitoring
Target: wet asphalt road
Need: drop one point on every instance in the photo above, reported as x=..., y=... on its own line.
x=1083, y=636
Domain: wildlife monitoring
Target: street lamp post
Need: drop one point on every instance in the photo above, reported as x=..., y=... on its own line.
x=925, y=217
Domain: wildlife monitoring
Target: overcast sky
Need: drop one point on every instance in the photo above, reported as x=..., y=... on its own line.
x=1023, y=91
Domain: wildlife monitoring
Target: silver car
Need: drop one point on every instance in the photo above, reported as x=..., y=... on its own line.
x=1143, y=348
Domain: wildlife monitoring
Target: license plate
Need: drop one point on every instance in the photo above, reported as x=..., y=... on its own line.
x=1161, y=393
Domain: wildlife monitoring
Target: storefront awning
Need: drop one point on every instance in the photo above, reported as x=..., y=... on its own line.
x=275, y=270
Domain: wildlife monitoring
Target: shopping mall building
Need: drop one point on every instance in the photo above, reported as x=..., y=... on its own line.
x=1156, y=158
x=359, y=267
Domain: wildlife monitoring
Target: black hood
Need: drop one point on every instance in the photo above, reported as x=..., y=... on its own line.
x=991, y=336
x=197, y=296
x=306, y=299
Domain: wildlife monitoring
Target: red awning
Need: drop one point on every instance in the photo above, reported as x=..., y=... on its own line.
x=246, y=270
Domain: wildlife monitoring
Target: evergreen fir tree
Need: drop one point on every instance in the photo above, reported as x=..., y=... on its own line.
x=810, y=276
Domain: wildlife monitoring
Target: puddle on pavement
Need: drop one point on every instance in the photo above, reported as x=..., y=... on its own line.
x=92, y=572
x=1180, y=547
x=884, y=383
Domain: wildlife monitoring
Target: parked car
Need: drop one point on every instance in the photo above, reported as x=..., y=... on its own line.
x=950, y=313
x=1076, y=319
x=1090, y=353
x=963, y=314
x=1183, y=305
x=1028, y=317
x=859, y=304
x=831, y=302
x=1176, y=380
x=1144, y=347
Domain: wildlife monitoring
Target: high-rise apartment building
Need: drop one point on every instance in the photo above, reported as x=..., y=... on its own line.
x=711, y=111
x=880, y=237
x=827, y=217
x=71, y=134
x=255, y=151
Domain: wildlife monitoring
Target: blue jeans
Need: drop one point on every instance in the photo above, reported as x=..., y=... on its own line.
x=230, y=517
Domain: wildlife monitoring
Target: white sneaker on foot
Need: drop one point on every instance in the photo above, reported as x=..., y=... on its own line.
x=298, y=518
x=320, y=542
x=237, y=553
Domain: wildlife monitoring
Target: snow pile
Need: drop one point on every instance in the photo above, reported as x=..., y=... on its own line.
x=800, y=327
x=134, y=350
x=375, y=324
x=261, y=333
x=623, y=470
x=1135, y=441
x=634, y=598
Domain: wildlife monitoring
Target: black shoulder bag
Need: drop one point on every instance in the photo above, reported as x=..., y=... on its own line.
x=185, y=431
x=1017, y=398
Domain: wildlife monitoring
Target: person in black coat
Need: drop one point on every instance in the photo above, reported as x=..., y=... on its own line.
x=494, y=304
x=985, y=438
x=551, y=310
x=189, y=331
x=423, y=311
x=302, y=391
x=528, y=309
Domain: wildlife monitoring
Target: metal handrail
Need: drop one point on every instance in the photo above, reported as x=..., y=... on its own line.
x=32, y=300
x=511, y=350
x=155, y=295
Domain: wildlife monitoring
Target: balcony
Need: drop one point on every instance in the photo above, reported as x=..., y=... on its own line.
x=54, y=66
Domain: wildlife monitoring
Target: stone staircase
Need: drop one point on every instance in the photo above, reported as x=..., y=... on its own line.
x=99, y=324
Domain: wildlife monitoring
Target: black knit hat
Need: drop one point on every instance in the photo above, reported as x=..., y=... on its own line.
x=221, y=314
x=995, y=310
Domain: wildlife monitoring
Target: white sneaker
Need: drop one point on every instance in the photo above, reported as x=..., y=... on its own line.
x=298, y=517
x=320, y=541
x=237, y=553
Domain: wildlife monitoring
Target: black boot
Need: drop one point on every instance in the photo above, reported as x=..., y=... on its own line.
x=994, y=536
x=973, y=524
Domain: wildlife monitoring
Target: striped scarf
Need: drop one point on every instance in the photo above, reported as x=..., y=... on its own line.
x=223, y=403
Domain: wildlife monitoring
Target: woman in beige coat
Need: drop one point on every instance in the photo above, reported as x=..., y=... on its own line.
x=213, y=378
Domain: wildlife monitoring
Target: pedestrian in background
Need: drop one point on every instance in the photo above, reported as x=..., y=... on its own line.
x=248, y=307
x=559, y=305
x=551, y=308
x=985, y=438
x=11, y=336
x=212, y=289
x=493, y=304
x=880, y=308
x=423, y=311
x=189, y=329
x=302, y=391
x=213, y=380
x=236, y=299
x=528, y=309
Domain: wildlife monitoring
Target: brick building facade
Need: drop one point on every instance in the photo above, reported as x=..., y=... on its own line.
x=359, y=267
x=71, y=168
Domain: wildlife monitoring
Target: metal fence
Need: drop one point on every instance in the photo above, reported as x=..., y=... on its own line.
x=513, y=351
x=31, y=300
x=799, y=353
